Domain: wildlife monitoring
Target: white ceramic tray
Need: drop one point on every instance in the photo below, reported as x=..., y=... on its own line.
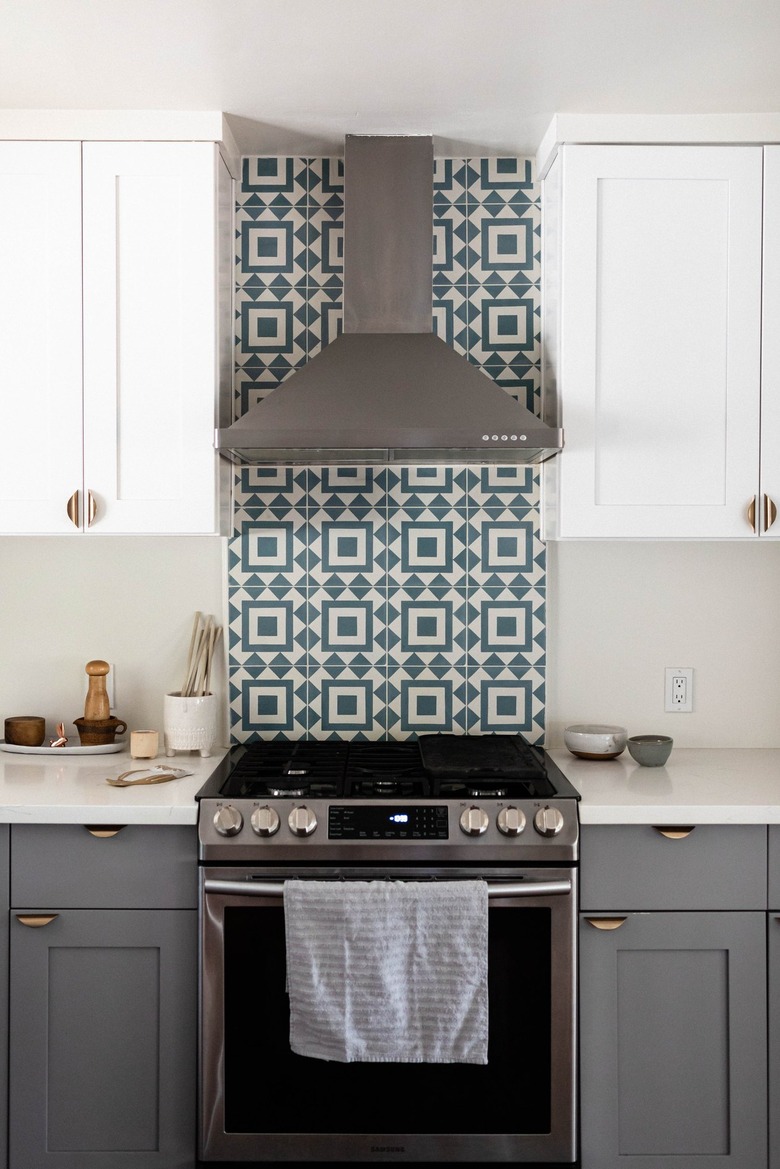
x=98, y=749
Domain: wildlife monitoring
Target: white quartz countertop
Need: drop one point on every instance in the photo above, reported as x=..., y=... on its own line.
x=72, y=789
x=696, y=786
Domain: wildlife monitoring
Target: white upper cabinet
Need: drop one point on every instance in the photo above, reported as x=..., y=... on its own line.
x=111, y=277
x=653, y=340
x=769, y=487
x=40, y=336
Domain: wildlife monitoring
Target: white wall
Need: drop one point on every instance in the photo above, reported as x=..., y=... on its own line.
x=619, y=612
x=130, y=600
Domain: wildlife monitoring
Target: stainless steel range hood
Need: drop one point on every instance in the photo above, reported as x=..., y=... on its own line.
x=388, y=390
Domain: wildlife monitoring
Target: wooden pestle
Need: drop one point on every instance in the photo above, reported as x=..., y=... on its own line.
x=96, y=705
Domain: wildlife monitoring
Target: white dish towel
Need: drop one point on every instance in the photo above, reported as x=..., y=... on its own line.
x=388, y=971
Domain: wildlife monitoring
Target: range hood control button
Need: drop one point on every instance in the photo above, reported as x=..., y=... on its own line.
x=265, y=821
x=511, y=821
x=548, y=821
x=228, y=821
x=302, y=821
x=474, y=821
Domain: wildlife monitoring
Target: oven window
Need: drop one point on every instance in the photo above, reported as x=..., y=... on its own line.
x=270, y=1089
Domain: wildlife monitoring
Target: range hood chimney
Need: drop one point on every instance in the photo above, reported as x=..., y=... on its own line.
x=388, y=390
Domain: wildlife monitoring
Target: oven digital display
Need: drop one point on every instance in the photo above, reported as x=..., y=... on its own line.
x=372, y=822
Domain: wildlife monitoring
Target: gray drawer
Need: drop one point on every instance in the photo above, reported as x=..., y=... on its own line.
x=64, y=866
x=636, y=867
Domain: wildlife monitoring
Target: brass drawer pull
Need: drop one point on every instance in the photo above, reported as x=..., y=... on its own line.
x=751, y=513
x=103, y=831
x=606, y=923
x=36, y=920
x=770, y=512
x=676, y=833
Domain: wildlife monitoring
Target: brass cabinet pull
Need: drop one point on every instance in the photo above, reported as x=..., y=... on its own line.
x=751, y=513
x=36, y=920
x=770, y=512
x=103, y=831
x=606, y=923
x=91, y=509
x=676, y=833
x=73, y=509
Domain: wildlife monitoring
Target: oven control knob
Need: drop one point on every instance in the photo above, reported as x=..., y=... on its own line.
x=511, y=821
x=548, y=821
x=474, y=821
x=265, y=821
x=228, y=821
x=302, y=821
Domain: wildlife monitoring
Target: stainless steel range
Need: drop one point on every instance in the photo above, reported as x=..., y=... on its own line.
x=441, y=807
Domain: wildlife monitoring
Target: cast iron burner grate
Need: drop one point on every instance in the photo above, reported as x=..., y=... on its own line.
x=438, y=766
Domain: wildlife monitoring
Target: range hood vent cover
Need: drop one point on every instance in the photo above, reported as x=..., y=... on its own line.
x=388, y=390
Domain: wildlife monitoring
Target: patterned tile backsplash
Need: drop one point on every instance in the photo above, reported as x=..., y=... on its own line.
x=383, y=602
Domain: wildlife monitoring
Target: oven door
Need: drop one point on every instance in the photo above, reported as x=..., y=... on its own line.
x=261, y=1102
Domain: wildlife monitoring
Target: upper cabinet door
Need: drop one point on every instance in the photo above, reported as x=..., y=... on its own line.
x=150, y=316
x=40, y=337
x=657, y=282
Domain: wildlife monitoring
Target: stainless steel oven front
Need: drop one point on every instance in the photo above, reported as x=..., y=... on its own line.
x=261, y=1102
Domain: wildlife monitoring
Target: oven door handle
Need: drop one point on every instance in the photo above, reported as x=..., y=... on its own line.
x=495, y=888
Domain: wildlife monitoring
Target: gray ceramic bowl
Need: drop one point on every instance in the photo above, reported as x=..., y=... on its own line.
x=650, y=750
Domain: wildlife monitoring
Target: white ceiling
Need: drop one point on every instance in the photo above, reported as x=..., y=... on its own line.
x=482, y=76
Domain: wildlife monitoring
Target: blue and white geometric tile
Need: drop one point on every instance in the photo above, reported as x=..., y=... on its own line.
x=507, y=627
x=501, y=178
x=441, y=486
x=520, y=379
x=269, y=703
x=347, y=626
x=423, y=700
x=325, y=318
x=325, y=247
x=272, y=179
x=325, y=182
x=271, y=487
x=507, y=700
x=269, y=549
x=505, y=548
x=251, y=385
x=346, y=546
x=427, y=547
x=347, y=703
x=271, y=324
x=427, y=627
x=270, y=247
x=500, y=486
x=268, y=627
x=506, y=323
x=450, y=316
x=506, y=249
x=348, y=487
x=450, y=181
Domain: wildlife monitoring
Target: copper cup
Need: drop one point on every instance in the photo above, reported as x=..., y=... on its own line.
x=25, y=730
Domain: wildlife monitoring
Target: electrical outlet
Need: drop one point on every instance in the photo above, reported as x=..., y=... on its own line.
x=678, y=689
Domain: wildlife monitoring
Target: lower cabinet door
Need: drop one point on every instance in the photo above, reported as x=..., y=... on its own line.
x=673, y=1040
x=103, y=1039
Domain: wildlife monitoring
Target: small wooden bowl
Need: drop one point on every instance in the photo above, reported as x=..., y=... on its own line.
x=25, y=730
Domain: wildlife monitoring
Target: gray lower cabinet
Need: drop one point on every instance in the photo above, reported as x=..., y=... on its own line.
x=103, y=1021
x=673, y=1005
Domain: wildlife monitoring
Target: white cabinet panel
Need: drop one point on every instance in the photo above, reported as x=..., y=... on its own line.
x=150, y=335
x=657, y=361
x=40, y=338
x=115, y=318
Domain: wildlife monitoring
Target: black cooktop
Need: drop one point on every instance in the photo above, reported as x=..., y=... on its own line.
x=437, y=766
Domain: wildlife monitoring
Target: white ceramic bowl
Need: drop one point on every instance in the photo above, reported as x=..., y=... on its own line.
x=594, y=741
